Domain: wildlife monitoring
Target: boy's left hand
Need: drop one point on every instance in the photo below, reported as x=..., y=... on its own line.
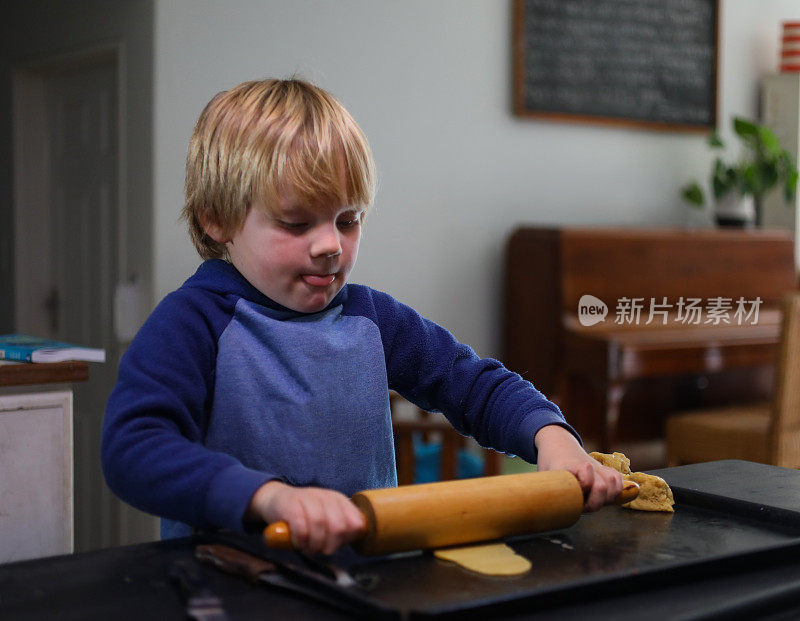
x=559, y=450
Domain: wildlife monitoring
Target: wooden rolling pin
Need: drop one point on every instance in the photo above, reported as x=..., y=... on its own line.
x=447, y=513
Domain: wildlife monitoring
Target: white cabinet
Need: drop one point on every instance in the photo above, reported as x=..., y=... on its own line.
x=780, y=110
x=36, y=479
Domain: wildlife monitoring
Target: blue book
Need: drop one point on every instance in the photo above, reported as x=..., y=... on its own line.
x=23, y=348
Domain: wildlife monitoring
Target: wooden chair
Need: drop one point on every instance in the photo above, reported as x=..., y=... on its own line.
x=431, y=428
x=767, y=433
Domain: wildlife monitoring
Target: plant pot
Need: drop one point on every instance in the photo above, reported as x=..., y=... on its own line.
x=735, y=211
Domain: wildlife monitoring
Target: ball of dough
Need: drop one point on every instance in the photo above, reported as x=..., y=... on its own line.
x=617, y=461
x=654, y=493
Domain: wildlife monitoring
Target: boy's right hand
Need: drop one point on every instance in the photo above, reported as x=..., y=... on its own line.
x=320, y=520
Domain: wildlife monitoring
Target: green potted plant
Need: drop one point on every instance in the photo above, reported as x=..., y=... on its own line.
x=762, y=166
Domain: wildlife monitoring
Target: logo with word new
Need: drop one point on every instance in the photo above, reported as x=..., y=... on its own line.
x=591, y=310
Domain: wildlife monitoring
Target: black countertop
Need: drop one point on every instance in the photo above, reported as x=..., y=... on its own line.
x=733, y=542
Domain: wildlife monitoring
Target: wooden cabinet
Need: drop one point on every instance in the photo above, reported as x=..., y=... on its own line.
x=36, y=461
x=591, y=366
x=35, y=475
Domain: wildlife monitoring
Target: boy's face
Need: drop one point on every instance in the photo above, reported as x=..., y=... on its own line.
x=299, y=257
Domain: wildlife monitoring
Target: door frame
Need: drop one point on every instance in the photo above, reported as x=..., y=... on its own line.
x=113, y=523
x=32, y=253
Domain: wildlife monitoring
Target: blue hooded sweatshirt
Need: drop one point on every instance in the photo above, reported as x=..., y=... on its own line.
x=223, y=390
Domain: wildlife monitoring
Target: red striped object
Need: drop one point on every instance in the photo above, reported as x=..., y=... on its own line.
x=790, y=47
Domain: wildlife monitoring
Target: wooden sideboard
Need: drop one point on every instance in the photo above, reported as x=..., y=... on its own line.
x=23, y=374
x=36, y=457
x=549, y=270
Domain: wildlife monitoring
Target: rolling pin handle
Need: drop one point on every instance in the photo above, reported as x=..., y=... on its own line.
x=277, y=535
x=630, y=490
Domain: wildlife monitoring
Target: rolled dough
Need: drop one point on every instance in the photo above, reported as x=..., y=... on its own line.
x=493, y=559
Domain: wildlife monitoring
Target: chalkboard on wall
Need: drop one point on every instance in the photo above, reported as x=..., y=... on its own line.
x=650, y=63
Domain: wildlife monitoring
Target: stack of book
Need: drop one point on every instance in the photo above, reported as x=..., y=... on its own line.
x=23, y=348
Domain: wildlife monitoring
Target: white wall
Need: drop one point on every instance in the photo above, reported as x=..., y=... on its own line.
x=429, y=82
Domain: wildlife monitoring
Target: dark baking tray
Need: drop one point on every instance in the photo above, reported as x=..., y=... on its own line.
x=719, y=524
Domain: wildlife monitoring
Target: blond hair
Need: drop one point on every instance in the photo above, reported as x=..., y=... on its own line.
x=265, y=137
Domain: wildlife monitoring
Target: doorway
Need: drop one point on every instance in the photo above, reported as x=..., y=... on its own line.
x=69, y=215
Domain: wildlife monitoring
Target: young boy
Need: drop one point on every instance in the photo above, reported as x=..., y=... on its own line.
x=258, y=391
